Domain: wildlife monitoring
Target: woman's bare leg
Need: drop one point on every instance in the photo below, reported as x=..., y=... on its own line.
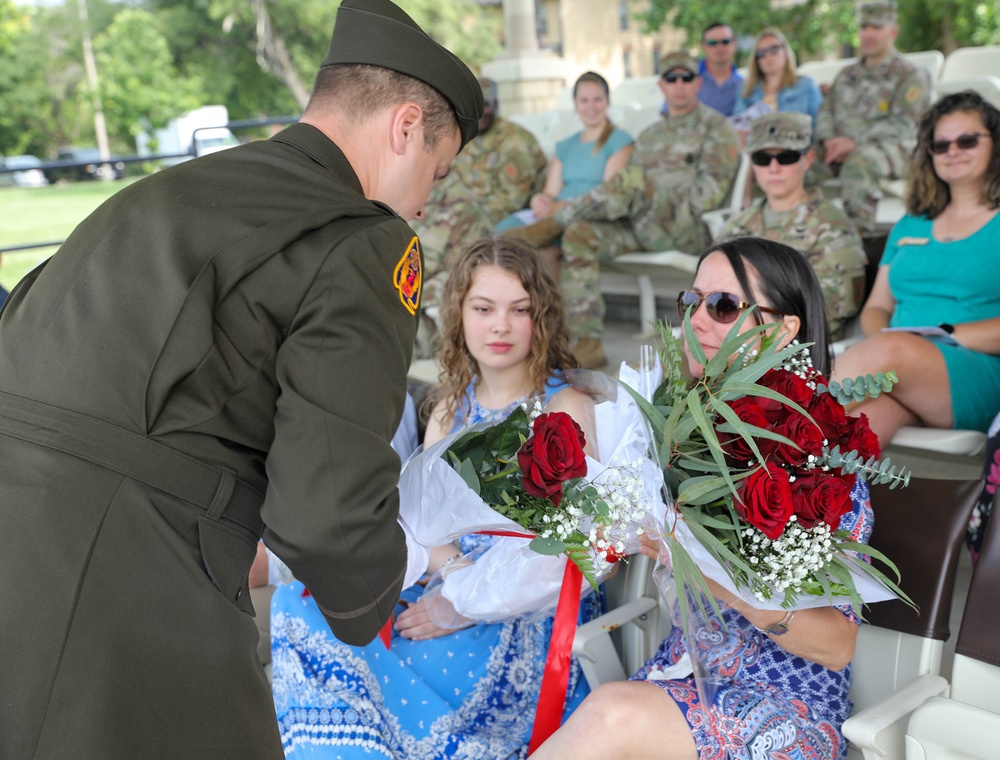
x=923, y=394
x=626, y=719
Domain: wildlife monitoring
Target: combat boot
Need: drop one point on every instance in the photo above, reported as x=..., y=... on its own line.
x=539, y=234
x=589, y=352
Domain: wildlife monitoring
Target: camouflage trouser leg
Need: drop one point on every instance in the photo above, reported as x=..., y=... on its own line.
x=859, y=180
x=584, y=246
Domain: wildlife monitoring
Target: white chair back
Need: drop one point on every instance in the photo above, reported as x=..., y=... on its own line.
x=824, y=72
x=986, y=85
x=971, y=62
x=641, y=90
x=932, y=61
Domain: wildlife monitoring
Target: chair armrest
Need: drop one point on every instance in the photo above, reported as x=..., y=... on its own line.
x=876, y=730
x=592, y=644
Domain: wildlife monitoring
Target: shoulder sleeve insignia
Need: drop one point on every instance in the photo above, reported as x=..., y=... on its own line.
x=913, y=93
x=408, y=277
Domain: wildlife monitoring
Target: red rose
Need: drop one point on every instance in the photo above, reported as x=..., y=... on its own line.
x=804, y=434
x=862, y=438
x=552, y=455
x=766, y=500
x=737, y=449
x=821, y=497
x=831, y=417
x=789, y=385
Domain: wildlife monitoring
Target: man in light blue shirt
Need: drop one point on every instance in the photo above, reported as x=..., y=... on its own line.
x=721, y=83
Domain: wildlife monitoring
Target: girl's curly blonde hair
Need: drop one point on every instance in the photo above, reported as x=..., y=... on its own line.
x=549, y=335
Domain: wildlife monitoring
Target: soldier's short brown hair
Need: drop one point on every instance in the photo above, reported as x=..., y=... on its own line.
x=356, y=91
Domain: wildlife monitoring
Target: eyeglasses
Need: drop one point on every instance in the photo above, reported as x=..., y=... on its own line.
x=769, y=50
x=672, y=76
x=724, y=41
x=962, y=142
x=783, y=157
x=722, y=307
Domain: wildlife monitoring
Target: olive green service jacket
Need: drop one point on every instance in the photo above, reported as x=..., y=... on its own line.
x=219, y=350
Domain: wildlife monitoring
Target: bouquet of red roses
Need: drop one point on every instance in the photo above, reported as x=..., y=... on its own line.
x=760, y=459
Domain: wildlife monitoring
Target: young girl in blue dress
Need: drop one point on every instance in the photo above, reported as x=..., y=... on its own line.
x=440, y=692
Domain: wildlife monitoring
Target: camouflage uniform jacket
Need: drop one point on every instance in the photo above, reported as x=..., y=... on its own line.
x=828, y=240
x=502, y=168
x=876, y=104
x=680, y=167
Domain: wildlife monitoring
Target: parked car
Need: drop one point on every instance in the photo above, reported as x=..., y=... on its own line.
x=86, y=164
x=27, y=171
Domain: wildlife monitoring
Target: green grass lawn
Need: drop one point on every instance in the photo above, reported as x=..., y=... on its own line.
x=44, y=215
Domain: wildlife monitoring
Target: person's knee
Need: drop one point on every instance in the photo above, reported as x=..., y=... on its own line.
x=578, y=243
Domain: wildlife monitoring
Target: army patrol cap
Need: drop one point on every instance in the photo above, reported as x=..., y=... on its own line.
x=877, y=14
x=378, y=33
x=678, y=59
x=784, y=130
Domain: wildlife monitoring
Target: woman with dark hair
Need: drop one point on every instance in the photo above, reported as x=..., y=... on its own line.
x=773, y=81
x=788, y=674
x=936, y=288
x=583, y=160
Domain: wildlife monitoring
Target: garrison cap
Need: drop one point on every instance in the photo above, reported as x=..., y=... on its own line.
x=678, y=59
x=877, y=13
x=378, y=33
x=787, y=130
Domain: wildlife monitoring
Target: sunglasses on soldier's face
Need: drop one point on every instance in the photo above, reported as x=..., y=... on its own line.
x=723, y=41
x=722, y=307
x=783, y=157
x=672, y=76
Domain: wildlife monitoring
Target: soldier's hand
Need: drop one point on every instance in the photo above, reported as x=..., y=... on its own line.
x=541, y=205
x=837, y=149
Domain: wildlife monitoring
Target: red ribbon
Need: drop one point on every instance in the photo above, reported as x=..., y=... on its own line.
x=555, y=681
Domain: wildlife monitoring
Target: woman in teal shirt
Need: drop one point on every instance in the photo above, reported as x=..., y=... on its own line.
x=582, y=161
x=940, y=271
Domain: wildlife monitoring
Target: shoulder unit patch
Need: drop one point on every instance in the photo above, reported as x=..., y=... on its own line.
x=408, y=277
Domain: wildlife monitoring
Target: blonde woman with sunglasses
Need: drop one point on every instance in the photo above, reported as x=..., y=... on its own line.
x=786, y=694
x=937, y=285
x=771, y=78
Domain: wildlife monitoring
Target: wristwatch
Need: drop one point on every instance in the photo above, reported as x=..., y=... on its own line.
x=780, y=628
x=950, y=329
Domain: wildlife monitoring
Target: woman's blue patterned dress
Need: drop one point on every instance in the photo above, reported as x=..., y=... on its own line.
x=774, y=705
x=470, y=694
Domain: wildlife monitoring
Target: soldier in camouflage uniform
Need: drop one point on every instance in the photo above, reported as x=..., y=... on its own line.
x=867, y=125
x=453, y=218
x=680, y=167
x=800, y=218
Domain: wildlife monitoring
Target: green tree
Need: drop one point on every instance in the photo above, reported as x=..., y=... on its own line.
x=948, y=24
x=813, y=26
x=139, y=86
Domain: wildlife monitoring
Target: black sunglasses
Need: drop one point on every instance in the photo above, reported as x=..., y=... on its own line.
x=783, y=157
x=769, y=50
x=962, y=142
x=722, y=307
x=724, y=41
x=672, y=76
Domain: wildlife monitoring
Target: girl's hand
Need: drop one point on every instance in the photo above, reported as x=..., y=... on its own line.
x=415, y=623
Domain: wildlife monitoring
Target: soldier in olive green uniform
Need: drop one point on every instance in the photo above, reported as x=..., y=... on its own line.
x=680, y=167
x=867, y=125
x=801, y=218
x=217, y=353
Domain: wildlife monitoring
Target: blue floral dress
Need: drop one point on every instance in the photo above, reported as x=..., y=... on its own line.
x=469, y=694
x=775, y=704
